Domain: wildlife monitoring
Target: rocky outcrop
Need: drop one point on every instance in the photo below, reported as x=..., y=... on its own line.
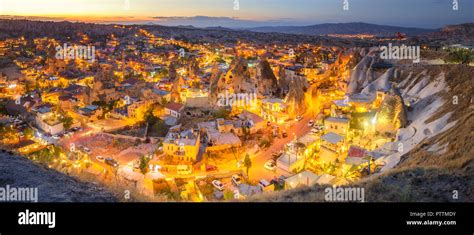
x=238, y=77
x=216, y=82
x=296, y=97
x=394, y=110
x=366, y=71
x=176, y=88
x=172, y=71
x=267, y=84
x=283, y=82
x=193, y=68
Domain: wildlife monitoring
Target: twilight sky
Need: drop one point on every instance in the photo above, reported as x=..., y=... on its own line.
x=250, y=13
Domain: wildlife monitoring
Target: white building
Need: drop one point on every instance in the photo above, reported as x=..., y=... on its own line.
x=306, y=178
x=174, y=109
x=49, y=122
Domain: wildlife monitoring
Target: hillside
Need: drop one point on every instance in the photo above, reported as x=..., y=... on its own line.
x=342, y=28
x=451, y=34
x=53, y=186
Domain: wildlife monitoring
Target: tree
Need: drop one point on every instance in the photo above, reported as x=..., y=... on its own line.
x=228, y=195
x=246, y=132
x=459, y=55
x=221, y=113
x=29, y=132
x=160, y=128
x=144, y=164
x=247, y=162
x=55, y=151
x=44, y=156
x=67, y=121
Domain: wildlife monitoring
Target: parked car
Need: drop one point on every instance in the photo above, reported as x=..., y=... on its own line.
x=263, y=183
x=299, y=118
x=111, y=161
x=211, y=168
x=236, y=180
x=100, y=158
x=56, y=137
x=269, y=123
x=284, y=134
x=86, y=149
x=270, y=165
x=68, y=133
x=311, y=122
x=314, y=130
x=218, y=185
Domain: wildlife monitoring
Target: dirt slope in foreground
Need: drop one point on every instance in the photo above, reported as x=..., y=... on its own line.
x=53, y=186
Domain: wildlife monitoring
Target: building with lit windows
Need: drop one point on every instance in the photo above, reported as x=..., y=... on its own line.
x=183, y=145
x=274, y=110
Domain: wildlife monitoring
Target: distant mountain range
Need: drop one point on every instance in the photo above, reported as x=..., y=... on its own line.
x=343, y=28
x=453, y=34
x=228, y=23
x=289, y=27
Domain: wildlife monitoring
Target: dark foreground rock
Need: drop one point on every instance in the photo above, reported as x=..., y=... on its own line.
x=53, y=186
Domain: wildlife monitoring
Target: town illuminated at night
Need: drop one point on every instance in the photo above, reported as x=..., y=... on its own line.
x=236, y=101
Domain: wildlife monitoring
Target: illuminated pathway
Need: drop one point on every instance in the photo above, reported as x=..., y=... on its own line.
x=258, y=171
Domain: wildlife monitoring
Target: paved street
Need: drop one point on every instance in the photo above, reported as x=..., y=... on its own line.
x=258, y=171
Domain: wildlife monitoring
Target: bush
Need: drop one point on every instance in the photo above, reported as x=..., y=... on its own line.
x=160, y=128
x=265, y=143
x=228, y=195
x=463, y=56
x=144, y=164
x=221, y=113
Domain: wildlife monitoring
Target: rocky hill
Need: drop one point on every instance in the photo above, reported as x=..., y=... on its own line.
x=267, y=83
x=452, y=34
x=343, y=28
x=17, y=171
